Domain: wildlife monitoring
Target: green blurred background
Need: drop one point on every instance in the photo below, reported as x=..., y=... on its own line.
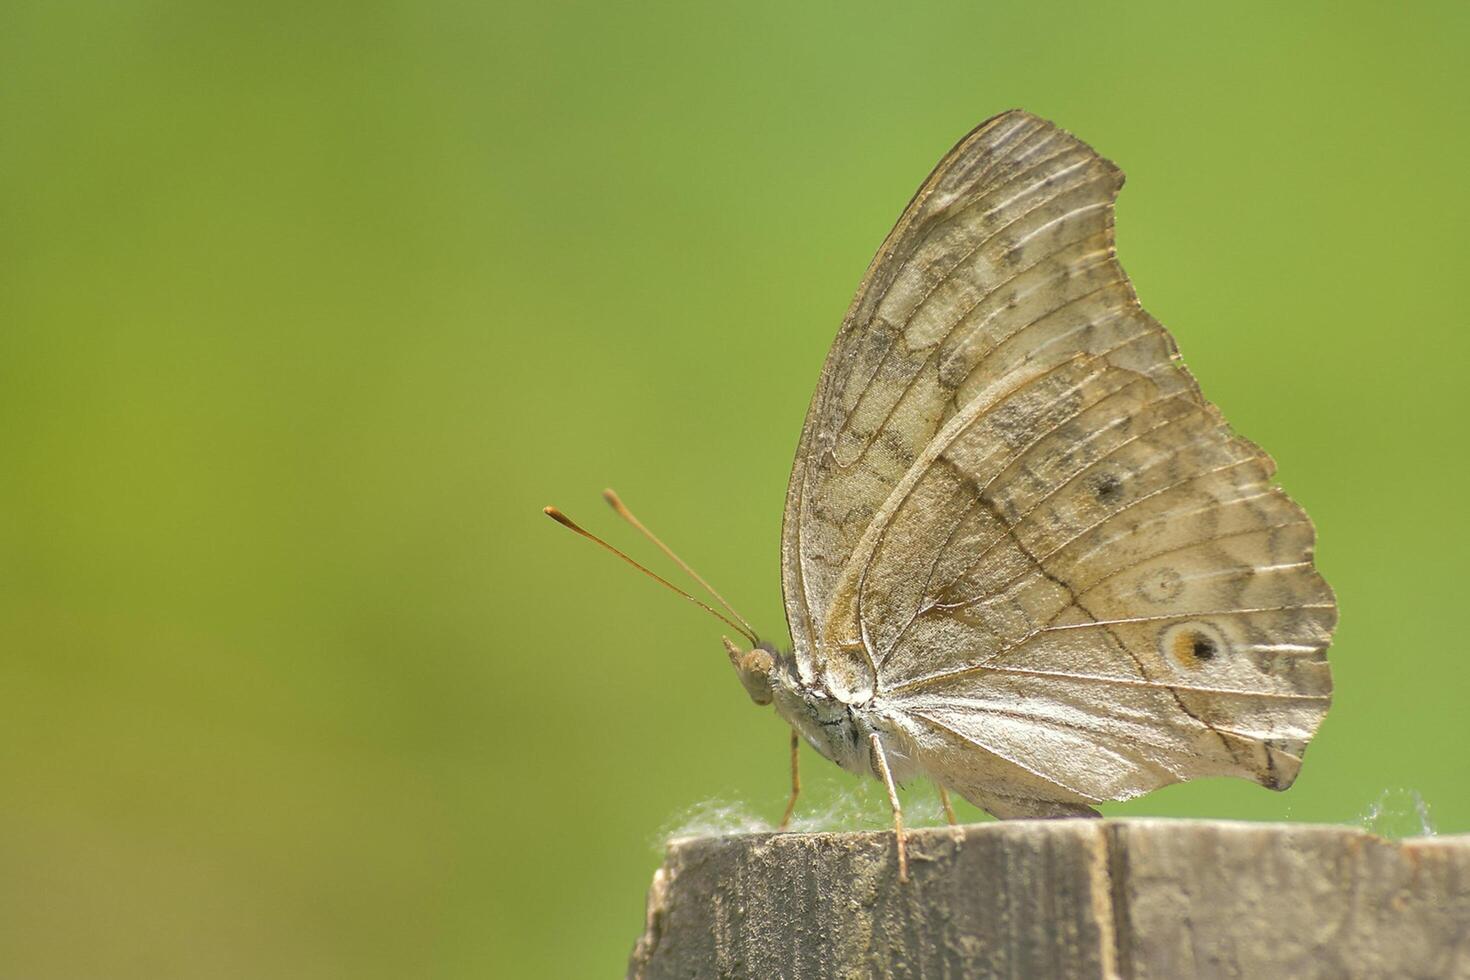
x=307, y=309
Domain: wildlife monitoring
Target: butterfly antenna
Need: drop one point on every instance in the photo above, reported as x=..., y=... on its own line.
x=616, y=503
x=567, y=522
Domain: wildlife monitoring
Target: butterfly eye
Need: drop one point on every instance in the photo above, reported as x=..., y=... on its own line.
x=754, y=669
x=757, y=661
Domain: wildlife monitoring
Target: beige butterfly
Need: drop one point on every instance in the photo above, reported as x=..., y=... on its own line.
x=1022, y=555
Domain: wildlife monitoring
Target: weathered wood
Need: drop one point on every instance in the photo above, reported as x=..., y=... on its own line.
x=1055, y=899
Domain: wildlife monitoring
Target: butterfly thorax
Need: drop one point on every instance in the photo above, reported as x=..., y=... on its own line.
x=830, y=726
x=838, y=730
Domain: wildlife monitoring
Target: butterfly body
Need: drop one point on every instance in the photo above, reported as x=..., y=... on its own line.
x=1022, y=555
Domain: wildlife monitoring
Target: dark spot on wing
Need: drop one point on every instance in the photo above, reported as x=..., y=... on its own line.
x=1193, y=644
x=1108, y=488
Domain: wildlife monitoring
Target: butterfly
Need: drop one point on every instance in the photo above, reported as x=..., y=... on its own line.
x=1022, y=556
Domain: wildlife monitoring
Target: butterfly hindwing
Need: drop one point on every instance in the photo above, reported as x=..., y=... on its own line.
x=1017, y=527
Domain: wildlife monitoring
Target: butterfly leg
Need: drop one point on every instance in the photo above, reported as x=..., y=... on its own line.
x=880, y=763
x=948, y=807
x=795, y=780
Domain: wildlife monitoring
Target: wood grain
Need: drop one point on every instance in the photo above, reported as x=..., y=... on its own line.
x=1062, y=899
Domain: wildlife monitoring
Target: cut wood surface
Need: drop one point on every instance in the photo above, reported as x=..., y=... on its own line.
x=1052, y=899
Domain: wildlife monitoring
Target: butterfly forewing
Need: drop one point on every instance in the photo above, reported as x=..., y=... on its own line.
x=1015, y=525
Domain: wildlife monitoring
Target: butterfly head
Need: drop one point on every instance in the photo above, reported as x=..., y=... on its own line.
x=756, y=669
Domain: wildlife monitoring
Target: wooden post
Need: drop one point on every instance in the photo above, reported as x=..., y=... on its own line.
x=1055, y=899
